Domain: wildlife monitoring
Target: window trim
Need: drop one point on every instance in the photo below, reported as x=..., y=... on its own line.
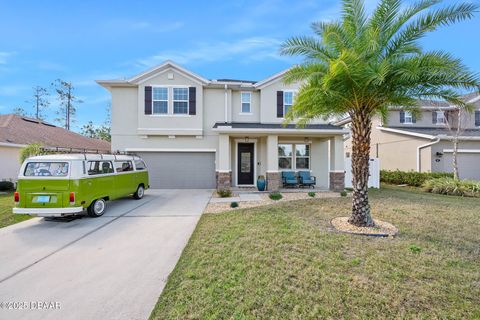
x=410, y=115
x=293, y=92
x=443, y=117
x=249, y=103
x=153, y=101
x=187, y=100
x=294, y=156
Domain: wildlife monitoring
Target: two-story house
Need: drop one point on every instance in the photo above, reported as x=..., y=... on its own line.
x=200, y=133
x=424, y=143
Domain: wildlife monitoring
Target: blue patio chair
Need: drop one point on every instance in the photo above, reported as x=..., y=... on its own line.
x=306, y=179
x=289, y=179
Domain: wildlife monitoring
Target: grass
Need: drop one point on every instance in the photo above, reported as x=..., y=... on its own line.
x=284, y=262
x=6, y=216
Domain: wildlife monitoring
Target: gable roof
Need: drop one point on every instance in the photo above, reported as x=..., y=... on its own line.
x=22, y=131
x=274, y=78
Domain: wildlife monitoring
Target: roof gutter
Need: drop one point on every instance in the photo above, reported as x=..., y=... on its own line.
x=226, y=103
x=419, y=150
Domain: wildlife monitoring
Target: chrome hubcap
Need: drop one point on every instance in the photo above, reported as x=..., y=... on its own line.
x=99, y=206
x=140, y=192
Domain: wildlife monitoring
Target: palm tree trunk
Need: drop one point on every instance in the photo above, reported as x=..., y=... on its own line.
x=361, y=128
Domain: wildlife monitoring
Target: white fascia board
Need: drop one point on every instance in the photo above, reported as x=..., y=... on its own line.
x=227, y=129
x=169, y=150
x=408, y=133
x=167, y=64
x=462, y=150
x=477, y=98
x=265, y=82
x=12, y=145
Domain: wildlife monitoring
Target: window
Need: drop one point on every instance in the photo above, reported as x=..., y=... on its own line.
x=477, y=118
x=285, y=156
x=294, y=156
x=160, y=100
x=408, y=117
x=246, y=98
x=99, y=167
x=123, y=166
x=46, y=169
x=302, y=156
x=140, y=165
x=287, y=101
x=440, y=117
x=180, y=100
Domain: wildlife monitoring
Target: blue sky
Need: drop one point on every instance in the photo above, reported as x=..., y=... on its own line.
x=81, y=41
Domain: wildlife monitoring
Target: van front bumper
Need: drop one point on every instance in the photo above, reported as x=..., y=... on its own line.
x=48, y=212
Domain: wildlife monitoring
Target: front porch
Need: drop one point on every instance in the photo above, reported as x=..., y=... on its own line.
x=244, y=156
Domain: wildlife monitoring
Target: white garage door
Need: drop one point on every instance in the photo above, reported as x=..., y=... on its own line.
x=468, y=165
x=180, y=170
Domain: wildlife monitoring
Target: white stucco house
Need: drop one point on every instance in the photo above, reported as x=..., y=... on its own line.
x=200, y=133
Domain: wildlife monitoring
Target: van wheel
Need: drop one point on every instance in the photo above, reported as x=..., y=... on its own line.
x=97, y=208
x=139, y=193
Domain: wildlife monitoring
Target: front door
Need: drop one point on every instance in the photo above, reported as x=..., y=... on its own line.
x=245, y=167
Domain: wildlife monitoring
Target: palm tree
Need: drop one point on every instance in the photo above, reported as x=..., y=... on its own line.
x=361, y=65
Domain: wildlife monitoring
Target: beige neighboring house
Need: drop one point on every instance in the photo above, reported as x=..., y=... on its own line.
x=424, y=143
x=200, y=133
x=16, y=132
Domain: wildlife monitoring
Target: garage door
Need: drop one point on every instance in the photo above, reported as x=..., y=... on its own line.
x=468, y=165
x=180, y=170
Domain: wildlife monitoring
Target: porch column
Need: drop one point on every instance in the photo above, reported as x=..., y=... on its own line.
x=273, y=176
x=224, y=171
x=337, y=164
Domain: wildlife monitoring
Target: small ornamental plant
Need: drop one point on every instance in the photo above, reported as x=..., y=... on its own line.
x=275, y=196
x=311, y=194
x=224, y=193
x=343, y=193
x=234, y=205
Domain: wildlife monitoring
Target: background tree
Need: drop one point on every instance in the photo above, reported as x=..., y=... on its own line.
x=361, y=65
x=68, y=102
x=34, y=149
x=19, y=111
x=39, y=101
x=102, y=131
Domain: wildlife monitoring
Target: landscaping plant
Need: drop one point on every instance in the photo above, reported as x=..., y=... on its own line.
x=6, y=186
x=234, y=204
x=275, y=196
x=311, y=194
x=363, y=64
x=224, y=193
x=454, y=187
x=343, y=193
x=411, y=178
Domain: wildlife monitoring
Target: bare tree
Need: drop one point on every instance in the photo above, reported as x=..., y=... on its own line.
x=456, y=121
x=19, y=111
x=39, y=101
x=68, y=102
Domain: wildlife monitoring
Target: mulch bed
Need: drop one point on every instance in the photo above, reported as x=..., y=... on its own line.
x=381, y=228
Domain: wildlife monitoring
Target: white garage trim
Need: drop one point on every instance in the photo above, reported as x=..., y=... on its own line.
x=462, y=150
x=167, y=150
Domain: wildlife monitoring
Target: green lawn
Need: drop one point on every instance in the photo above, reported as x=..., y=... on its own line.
x=284, y=262
x=6, y=216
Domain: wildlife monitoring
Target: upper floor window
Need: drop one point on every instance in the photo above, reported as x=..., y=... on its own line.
x=246, y=98
x=477, y=118
x=160, y=100
x=440, y=117
x=180, y=100
x=287, y=101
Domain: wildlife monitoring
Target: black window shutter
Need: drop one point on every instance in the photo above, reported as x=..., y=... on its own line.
x=477, y=118
x=192, y=100
x=148, y=100
x=414, y=119
x=402, y=116
x=279, y=104
x=434, y=117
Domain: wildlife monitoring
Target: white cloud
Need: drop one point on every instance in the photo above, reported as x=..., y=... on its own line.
x=245, y=50
x=134, y=25
x=4, y=56
x=13, y=90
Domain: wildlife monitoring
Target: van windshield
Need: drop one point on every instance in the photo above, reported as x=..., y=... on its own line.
x=46, y=169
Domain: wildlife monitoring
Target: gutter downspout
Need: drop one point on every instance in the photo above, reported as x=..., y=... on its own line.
x=226, y=104
x=419, y=149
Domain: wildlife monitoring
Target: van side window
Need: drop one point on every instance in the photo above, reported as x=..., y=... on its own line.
x=99, y=167
x=140, y=165
x=123, y=166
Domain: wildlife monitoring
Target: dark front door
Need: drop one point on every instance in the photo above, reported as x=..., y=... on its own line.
x=245, y=163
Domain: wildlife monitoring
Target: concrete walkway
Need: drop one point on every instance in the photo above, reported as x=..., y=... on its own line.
x=113, y=267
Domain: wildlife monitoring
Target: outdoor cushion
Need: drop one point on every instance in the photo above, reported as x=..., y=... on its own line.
x=289, y=177
x=306, y=178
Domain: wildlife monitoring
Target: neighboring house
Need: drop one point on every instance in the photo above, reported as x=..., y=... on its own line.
x=16, y=132
x=424, y=144
x=199, y=133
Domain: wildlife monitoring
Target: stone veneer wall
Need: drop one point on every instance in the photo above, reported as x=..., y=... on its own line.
x=224, y=180
x=274, y=181
x=337, y=181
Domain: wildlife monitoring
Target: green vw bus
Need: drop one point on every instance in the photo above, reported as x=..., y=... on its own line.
x=66, y=184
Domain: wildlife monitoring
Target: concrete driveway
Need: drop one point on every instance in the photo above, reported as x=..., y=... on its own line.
x=113, y=267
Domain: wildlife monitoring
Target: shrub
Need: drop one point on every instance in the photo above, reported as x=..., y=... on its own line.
x=450, y=186
x=34, y=149
x=234, y=204
x=311, y=194
x=6, y=186
x=275, y=196
x=411, y=178
x=224, y=193
x=343, y=193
